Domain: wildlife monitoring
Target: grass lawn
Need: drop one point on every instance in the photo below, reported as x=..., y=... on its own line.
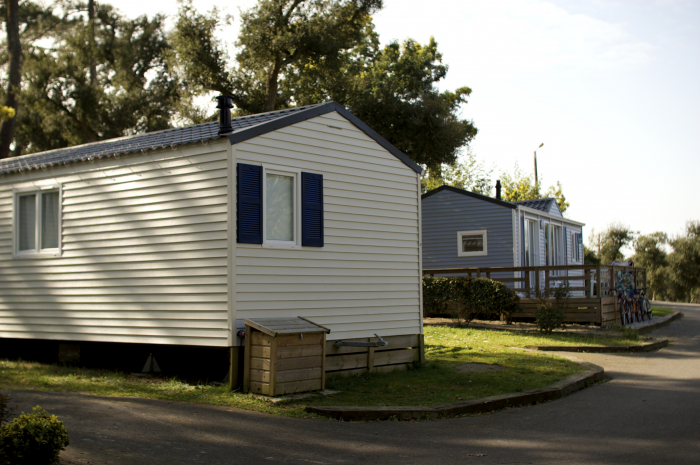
x=658, y=312
x=437, y=382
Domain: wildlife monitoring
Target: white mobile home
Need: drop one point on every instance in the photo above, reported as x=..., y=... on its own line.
x=172, y=237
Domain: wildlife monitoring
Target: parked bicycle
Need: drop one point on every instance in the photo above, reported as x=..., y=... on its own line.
x=625, y=306
x=643, y=303
x=626, y=298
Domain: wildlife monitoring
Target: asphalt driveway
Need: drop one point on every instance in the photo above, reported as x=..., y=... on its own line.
x=648, y=413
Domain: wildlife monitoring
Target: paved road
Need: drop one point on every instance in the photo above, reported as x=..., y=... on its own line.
x=649, y=413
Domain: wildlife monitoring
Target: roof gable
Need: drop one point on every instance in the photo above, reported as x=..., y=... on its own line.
x=457, y=190
x=244, y=128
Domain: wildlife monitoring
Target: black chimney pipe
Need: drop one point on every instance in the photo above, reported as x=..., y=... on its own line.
x=498, y=189
x=224, y=107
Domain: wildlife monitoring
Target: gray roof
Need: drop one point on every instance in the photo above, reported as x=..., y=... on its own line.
x=139, y=143
x=537, y=204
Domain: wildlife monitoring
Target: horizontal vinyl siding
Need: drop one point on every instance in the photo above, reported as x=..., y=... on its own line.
x=446, y=213
x=144, y=253
x=365, y=280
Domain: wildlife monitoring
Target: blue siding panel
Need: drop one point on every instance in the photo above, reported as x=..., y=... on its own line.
x=446, y=213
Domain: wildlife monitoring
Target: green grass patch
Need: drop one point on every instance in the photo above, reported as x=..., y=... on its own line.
x=658, y=312
x=435, y=383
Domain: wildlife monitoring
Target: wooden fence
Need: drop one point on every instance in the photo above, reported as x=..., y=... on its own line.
x=591, y=286
x=398, y=354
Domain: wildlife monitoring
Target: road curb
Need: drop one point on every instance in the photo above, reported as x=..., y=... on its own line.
x=562, y=388
x=645, y=347
x=661, y=322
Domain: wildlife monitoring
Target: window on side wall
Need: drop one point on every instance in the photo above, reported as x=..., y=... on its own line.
x=37, y=222
x=279, y=207
x=471, y=243
x=280, y=220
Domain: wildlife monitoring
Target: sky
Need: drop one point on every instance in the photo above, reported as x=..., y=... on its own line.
x=612, y=89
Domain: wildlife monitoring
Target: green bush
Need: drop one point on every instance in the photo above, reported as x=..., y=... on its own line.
x=548, y=318
x=5, y=408
x=550, y=315
x=32, y=439
x=465, y=298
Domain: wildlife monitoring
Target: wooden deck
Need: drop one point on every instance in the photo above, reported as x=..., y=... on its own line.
x=592, y=287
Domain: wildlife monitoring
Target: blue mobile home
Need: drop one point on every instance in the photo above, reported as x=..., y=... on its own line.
x=463, y=229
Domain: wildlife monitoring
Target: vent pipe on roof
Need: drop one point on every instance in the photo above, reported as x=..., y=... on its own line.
x=224, y=107
x=498, y=189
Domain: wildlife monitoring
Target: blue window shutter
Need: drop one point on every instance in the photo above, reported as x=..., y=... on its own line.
x=311, y=210
x=249, y=211
x=566, y=247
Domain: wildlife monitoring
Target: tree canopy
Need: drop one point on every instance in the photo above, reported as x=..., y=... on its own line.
x=329, y=50
x=100, y=76
x=468, y=174
x=520, y=186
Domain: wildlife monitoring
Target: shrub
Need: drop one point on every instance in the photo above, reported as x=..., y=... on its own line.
x=33, y=439
x=548, y=318
x=5, y=408
x=465, y=298
x=550, y=315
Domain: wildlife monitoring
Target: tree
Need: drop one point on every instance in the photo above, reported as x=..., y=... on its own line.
x=468, y=174
x=519, y=186
x=199, y=59
x=612, y=240
x=277, y=34
x=14, y=49
x=336, y=56
x=684, y=263
x=102, y=76
x=590, y=257
x=649, y=253
x=394, y=90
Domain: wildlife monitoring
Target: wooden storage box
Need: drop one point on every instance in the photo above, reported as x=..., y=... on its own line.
x=284, y=356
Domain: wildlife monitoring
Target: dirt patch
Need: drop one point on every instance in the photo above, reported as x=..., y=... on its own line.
x=479, y=367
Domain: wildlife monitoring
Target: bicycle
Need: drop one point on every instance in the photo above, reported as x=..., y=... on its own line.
x=625, y=305
x=644, y=304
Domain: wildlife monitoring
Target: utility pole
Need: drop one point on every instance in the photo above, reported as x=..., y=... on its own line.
x=536, y=182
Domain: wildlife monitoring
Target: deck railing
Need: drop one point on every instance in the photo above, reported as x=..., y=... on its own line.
x=591, y=301
x=584, y=281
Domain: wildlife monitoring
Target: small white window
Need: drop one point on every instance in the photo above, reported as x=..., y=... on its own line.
x=37, y=222
x=471, y=243
x=281, y=208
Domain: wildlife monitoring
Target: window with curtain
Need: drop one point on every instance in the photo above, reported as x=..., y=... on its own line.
x=38, y=222
x=279, y=208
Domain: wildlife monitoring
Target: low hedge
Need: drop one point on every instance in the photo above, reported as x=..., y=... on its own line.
x=465, y=298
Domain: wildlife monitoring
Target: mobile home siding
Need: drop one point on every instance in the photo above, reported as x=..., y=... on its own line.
x=144, y=252
x=366, y=278
x=446, y=213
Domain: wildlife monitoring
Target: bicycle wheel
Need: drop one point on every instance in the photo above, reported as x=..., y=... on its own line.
x=647, y=307
x=622, y=312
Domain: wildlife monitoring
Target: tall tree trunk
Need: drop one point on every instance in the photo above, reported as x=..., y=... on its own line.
x=272, y=77
x=91, y=26
x=7, y=129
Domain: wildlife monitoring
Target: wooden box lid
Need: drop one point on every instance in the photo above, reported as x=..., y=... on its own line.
x=277, y=326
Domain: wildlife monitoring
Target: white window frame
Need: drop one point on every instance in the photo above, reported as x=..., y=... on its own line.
x=296, y=175
x=37, y=252
x=471, y=233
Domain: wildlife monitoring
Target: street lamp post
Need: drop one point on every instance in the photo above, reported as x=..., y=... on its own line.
x=536, y=182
